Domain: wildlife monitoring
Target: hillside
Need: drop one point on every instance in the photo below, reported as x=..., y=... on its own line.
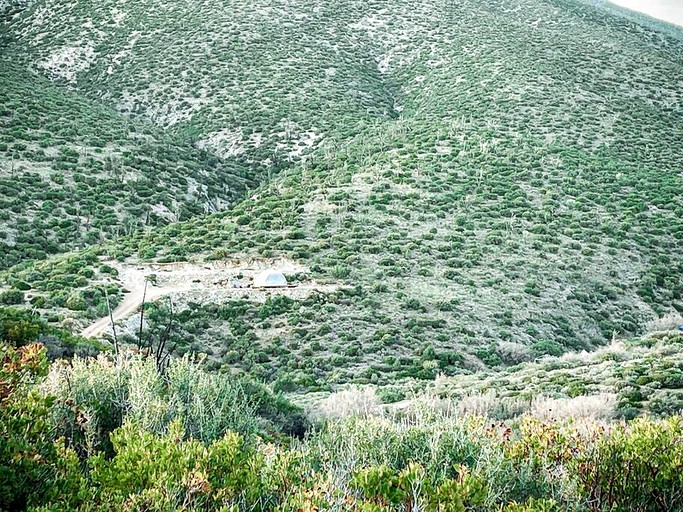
x=621, y=380
x=272, y=80
x=477, y=176
x=666, y=10
x=267, y=80
x=439, y=271
x=75, y=173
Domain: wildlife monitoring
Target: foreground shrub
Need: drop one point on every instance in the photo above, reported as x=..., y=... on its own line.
x=446, y=448
x=384, y=489
x=170, y=472
x=636, y=466
x=193, y=441
x=33, y=467
x=107, y=392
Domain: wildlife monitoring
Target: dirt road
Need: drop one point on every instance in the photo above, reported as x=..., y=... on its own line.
x=134, y=281
x=209, y=282
x=130, y=305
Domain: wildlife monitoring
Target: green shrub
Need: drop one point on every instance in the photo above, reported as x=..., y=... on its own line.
x=385, y=489
x=624, y=467
x=19, y=327
x=33, y=467
x=12, y=297
x=634, y=467
x=171, y=472
x=547, y=348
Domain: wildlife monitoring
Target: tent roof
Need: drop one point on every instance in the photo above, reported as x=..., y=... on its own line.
x=270, y=279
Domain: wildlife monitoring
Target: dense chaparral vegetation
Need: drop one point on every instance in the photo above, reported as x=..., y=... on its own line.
x=466, y=175
x=478, y=204
x=114, y=434
x=74, y=173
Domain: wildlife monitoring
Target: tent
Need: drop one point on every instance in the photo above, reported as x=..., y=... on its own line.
x=270, y=279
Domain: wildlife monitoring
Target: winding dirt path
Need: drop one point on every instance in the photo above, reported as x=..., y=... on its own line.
x=134, y=281
x=130, y=305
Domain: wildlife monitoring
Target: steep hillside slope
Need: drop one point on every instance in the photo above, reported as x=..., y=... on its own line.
x=274, y=78
x=74, y=173
x=266, y=79
x=507, y=186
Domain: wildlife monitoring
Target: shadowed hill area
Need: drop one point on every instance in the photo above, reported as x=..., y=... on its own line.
x=9, y=9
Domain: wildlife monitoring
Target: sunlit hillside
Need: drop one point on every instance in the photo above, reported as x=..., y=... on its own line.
x=340, y=256
x=465, y=175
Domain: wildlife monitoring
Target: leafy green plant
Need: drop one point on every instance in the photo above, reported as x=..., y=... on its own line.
x=634, y=467
x=33, y=467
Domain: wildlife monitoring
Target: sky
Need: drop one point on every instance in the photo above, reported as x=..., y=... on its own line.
x=667, y=10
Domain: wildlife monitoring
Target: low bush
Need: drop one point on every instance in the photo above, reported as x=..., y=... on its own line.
x=115, y=434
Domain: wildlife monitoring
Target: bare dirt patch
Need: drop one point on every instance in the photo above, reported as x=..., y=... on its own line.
x=203, y=283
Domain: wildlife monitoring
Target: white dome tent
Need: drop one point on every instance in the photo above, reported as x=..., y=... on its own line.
x=270, y=279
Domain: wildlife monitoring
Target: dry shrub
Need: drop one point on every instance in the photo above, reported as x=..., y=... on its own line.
x=486, y=404
x=665, y=323
x=491, y=405
x=355, y=401
x=480, y=404
x=514, y=353
x=596, y=407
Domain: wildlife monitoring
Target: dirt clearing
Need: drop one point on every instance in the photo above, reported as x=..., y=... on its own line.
x=211, y=282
